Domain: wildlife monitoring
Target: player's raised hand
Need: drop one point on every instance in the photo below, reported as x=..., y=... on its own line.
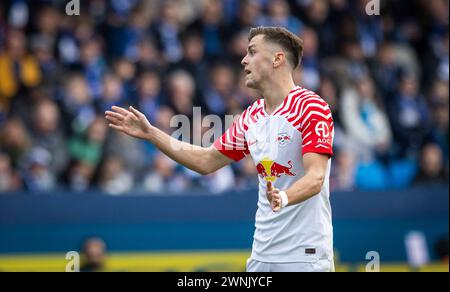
x=131, y=122
x=273, y=196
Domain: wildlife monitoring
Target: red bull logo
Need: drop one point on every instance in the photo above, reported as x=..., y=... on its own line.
x=271, y=170
x=283, y=139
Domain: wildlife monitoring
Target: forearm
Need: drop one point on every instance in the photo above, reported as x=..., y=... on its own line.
x=135, y=124
x=192, y=156
x=305, y=188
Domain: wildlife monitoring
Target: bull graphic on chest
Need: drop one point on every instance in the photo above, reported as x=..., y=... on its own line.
x=271, y=170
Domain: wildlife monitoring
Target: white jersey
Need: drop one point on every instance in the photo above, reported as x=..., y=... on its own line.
x=276, y=142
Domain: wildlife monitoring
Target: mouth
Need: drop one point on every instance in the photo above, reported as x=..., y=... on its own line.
x=247, y=71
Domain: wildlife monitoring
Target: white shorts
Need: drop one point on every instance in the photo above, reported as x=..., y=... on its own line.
x=323, y=265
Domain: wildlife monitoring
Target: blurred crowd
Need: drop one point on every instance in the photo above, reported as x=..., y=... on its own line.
x=385, y=77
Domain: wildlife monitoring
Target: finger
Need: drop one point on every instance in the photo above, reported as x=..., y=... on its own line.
x=113, y=120
x=114, y=114
x=274, y=201
x=274, y=192
x=120, y=110
x=276, y=205
x=269, y=185
x=275, y=195
x=116, y=127
x=137, y=113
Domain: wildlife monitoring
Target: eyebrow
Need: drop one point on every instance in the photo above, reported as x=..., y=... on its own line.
x=251, y=47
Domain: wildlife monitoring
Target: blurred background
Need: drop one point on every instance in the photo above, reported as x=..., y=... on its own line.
x=68, y=183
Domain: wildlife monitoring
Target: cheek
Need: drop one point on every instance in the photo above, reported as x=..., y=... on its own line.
x=264, y=70
x=264, y=65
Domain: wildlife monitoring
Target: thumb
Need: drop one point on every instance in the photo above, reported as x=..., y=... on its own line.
x=269, y=185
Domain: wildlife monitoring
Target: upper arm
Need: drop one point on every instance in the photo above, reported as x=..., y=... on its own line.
x=316, y=127
x=315, y=164
x=216, y=159
x=317, y=138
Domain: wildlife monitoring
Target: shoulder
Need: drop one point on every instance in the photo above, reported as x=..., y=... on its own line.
x=302, y=101
x=307, y=105
x=254, y=111
x=309, y=96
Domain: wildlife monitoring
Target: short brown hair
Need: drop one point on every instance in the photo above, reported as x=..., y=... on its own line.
x=292, y=44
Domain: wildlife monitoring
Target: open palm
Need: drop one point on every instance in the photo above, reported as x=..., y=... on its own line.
x=131, y=122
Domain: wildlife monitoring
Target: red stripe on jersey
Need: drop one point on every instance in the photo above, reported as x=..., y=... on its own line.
x=232, y=143
x=288, y=99
x=311, y=116
x=316, y=112
x=318, y=137
x=304, y=99
x=295, y=99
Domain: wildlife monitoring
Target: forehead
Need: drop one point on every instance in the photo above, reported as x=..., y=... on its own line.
x=257, y=41
x=261, y=43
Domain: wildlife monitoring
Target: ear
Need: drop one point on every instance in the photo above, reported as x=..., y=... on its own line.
x=279, y=59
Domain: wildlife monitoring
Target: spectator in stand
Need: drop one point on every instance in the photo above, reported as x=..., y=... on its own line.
x=15, y=141
x=114, y=178
x=47, y=134
x=93, y=252
x=432, y=170
x=18, y=70
x=10, y=179
x=365, y=120
x=409, y=117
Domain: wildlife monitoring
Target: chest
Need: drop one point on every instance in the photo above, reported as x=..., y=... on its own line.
x=273, y=138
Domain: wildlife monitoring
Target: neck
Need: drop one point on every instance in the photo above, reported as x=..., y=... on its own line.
x=276, y=91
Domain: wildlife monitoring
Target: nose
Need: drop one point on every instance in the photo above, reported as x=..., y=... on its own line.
x=244, y=61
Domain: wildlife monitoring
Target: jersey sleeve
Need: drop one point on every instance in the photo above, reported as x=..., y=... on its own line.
x=316, y=128
x=233, y=143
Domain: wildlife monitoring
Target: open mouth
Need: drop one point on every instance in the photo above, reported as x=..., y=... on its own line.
x=247, y=72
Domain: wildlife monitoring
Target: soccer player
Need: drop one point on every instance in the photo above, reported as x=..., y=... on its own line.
x=289, y=135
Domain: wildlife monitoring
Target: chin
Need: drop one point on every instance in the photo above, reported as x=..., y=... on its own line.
x=250, y=84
